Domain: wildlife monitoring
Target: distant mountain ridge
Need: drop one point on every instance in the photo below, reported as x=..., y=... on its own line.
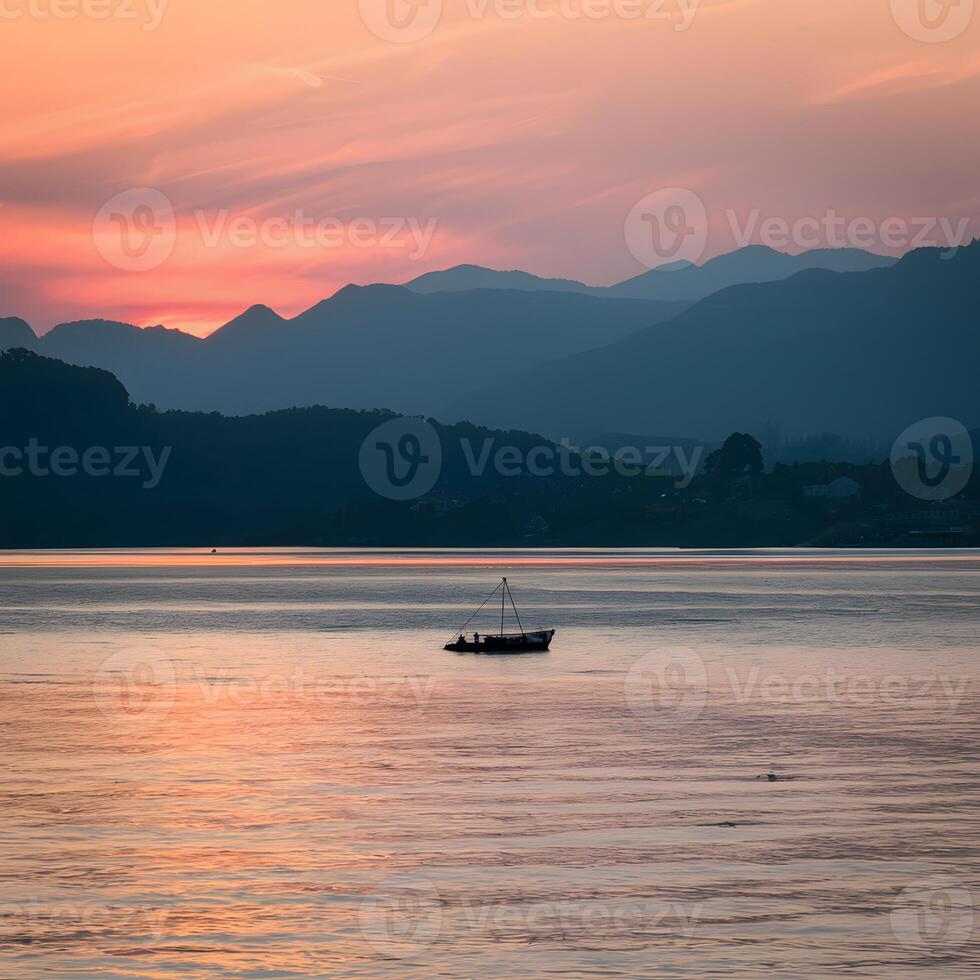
x=860, y=354
x=15, y=332
x=464, y=277
x=366, y=347
x=563, y=362
x=673, y=281
x=752, y=264
x=254, y=323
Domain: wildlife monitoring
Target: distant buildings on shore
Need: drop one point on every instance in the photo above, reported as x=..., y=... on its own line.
x=843, y=486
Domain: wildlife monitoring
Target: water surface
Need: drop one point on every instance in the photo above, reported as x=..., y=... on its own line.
x=262, y=764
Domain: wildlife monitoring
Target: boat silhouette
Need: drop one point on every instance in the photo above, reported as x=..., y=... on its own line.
x=525, y=641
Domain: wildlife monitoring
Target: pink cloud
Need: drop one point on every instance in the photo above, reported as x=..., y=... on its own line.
x=527, y=141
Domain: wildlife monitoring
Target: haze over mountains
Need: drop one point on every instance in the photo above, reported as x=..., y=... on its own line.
x=777, y=338
x=366, y=347
x=861, y=354
x=676, y=281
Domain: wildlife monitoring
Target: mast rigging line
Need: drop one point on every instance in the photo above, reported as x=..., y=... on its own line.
x=505, y=594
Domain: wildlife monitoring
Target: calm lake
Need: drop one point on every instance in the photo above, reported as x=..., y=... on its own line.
x=263, y=764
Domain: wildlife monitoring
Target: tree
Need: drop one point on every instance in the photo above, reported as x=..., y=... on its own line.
x=739, y=454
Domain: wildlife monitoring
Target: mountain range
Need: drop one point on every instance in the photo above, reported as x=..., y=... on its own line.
x=861, y=354
x=826, y=340
x=682, y=281
x=365, y=347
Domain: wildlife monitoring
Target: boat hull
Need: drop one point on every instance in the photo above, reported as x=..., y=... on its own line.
x=536, y=642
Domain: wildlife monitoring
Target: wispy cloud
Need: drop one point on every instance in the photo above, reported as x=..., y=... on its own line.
x=527, y=140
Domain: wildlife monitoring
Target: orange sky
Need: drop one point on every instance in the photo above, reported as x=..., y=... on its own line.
x=517, y=140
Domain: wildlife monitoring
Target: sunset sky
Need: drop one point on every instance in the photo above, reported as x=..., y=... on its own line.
x=509, y=141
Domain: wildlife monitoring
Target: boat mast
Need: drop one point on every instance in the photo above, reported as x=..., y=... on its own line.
x=503, y=596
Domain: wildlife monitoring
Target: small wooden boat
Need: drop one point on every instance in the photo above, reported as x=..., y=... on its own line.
x=503, y=642
x=524, y=641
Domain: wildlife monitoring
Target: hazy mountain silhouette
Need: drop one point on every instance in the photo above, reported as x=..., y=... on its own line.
x=109, y=338
x=499, y=355
x=860, y=354
x=152, y=360
x=673, y=281
x=365, y=347
x=15, y=332
x=253, y=326
x=464, y=277
x=754, y=263
x=385, y=346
